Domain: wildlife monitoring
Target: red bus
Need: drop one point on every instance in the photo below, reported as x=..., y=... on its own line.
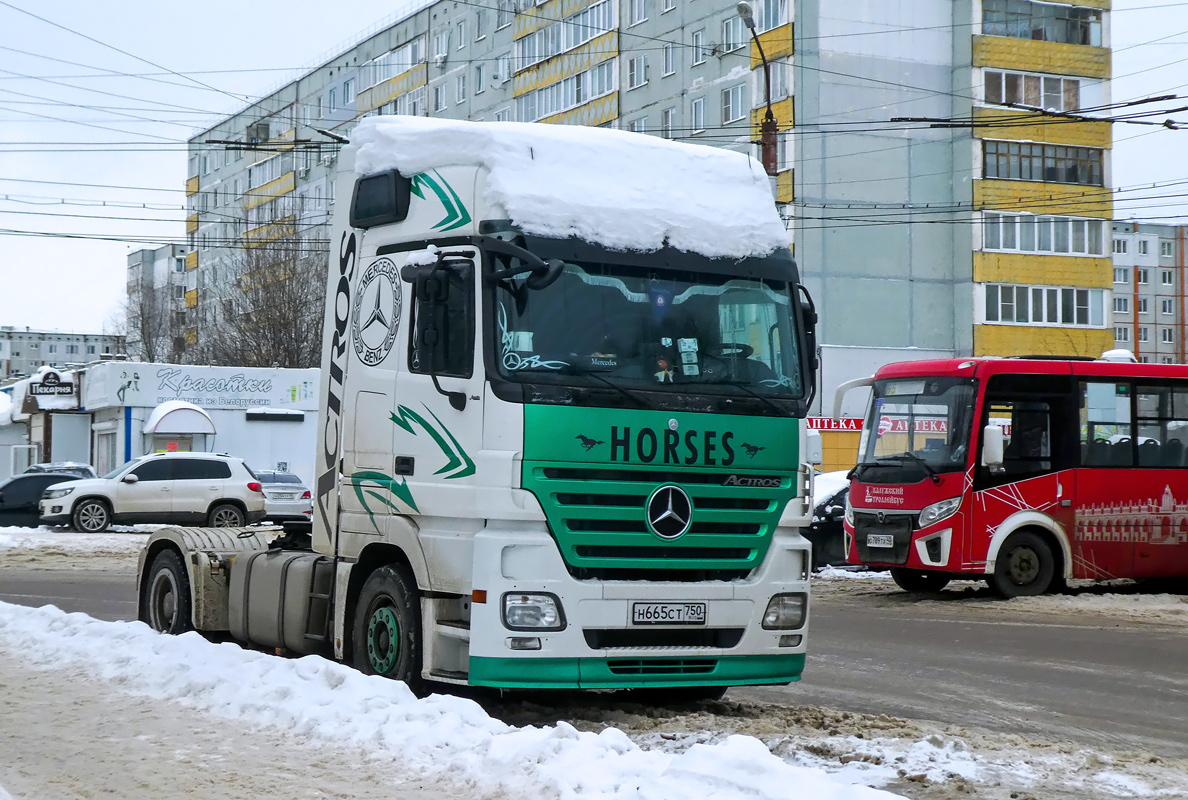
x=1025, y=472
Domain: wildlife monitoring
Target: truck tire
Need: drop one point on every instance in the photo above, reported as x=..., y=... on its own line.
x=225, y=515
x=1024, y=567
x=167, y=604
x=91, y=516
x=387, y=629
x=919, y=580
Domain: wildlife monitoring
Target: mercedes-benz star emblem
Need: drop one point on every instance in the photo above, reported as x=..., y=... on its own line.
x=376, y=315
x=669, y=512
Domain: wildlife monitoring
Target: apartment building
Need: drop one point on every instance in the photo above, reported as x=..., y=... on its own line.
x=156, y=301
x=24, y=350
x=260, y=188
x=1148, y=291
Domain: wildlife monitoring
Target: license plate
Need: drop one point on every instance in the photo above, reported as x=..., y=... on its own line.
x=880, y=540
x=283, y=495
x=668, y=614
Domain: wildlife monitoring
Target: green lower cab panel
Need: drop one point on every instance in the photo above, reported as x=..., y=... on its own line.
x=633, y=673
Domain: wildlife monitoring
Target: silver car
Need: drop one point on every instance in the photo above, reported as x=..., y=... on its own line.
x=285, y=496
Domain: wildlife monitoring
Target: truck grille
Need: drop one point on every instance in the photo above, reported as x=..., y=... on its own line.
x=598, y=517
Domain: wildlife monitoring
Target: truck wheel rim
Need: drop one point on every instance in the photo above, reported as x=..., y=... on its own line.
x=226, y=518
x=383, y=640
x=163, y=601
x=92, y=516
x=1023, y=566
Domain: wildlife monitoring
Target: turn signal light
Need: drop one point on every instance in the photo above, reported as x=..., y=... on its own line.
x=307, y=495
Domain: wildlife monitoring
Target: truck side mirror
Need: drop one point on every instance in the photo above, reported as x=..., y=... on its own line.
x=992, y=447
x=809, y=318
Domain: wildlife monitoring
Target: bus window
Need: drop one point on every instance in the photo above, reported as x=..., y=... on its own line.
x=1162, y=422
x=1027, y=436
x=1106, y=424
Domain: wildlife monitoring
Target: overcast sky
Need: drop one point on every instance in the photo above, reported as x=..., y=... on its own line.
x=58, y=125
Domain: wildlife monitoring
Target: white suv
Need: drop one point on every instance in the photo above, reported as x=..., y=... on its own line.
x=208, y=489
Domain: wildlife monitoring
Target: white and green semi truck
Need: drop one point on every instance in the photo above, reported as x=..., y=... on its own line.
x=564, y=379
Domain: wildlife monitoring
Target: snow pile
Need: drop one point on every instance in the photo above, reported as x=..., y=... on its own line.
x=437, y=736
x=842, y=574
x=49, y=539
x=626, y=191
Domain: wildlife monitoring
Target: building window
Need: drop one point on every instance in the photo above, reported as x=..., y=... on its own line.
x=460, y=88
x=770, y=14
x=72, y=349
x=566, y=34
x=1166, y=360
x=1120, y=246
x=461, y=33
x=1165, y=249
x=732, y=104
x=698, y=47
x=1142, y=335
x=503, y=14
x=503, y=115
x=1121, y=305
x=1042, y=162
x=1121, y=275
x=480, y=26
x=1140, y=305
x=569, y=93
x=666, y=121
x=90, y=350
x=1121, y=334
x=503, y=68
x=698, y=114
x=1036, y=91
x=734, y=34
x=1140, y=275
x=667, y=5
x=1142, y=247
x=639, y=11
x=348, y=92
x=1021, y=19
x=669, y=59
x=1031, y=233
x=1167, y=307
x=638, y=125
x=439, y=97
x=1167, y=277
x=1044, y=305
x=637, y=72
x=53, y=348
x=1167, y=336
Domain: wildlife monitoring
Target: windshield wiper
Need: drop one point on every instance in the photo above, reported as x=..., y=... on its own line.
x=572, y=370
x=932, y=473
x=743, y=386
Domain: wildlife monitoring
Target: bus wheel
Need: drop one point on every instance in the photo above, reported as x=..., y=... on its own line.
x=1024, y=567
x=919, y=580
x=387, y=629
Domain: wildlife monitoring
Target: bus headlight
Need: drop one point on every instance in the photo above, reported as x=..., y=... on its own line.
x=785, y=612
x=536, y=611
x=849, y=511
x=938, y=511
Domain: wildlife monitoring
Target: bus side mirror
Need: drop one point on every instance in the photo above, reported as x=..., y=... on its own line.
x=992, y=448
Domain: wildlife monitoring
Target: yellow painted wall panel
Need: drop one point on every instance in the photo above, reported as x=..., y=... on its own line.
x=191, y=298
x=1043, y=198
x=782, y=110
x=776, y=42
x=1020, y=340
x=192, y=223
x=542, y=16
x=269, y=191
x=562, y=66
x=785, y=187
x=192, y=260
x=1037, y=270
x=385, y=92
x=191, y=336
x=257, y=237
x=1030, y=55
x=1036, y=128
x=191, y=186
x=595, y=112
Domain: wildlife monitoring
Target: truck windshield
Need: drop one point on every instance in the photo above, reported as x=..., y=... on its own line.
x=915, y=428
x=648, y=329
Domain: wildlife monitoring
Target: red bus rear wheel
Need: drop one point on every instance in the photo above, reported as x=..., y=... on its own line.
x=1024, y=567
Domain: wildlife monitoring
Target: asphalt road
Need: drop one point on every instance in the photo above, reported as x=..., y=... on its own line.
x=1113, y=685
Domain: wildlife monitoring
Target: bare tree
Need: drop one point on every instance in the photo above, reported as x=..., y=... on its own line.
x=271, y=315
x=152, y=327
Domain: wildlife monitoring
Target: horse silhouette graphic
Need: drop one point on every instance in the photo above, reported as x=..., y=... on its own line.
x=588, y=443
x=752, y=449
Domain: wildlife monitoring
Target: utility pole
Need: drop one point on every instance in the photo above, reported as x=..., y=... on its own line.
x=768, y=129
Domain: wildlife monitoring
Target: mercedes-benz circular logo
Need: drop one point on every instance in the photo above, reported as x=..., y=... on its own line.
x=669, y=512
x=376, y=316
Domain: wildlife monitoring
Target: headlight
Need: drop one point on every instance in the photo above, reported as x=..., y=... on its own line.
x=938, y=511
x=785, y=612
x=532, y=612
x=54, y=494
x=849, y=511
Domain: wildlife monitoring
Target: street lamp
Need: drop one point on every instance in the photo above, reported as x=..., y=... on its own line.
x=768, y=128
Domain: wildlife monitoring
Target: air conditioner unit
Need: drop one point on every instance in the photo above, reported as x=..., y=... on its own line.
x=439, y=59
x=327, y=159
x=302, y=172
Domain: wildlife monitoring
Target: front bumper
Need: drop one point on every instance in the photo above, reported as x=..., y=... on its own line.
x=523, y=559
x=54, y=512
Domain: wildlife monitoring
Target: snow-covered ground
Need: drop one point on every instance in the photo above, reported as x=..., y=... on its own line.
x=57, y=548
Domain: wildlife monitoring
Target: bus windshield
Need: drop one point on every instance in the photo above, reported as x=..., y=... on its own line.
x=670, y=331
x=916, y=427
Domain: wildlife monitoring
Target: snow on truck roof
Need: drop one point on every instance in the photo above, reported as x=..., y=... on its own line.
x=625, y=191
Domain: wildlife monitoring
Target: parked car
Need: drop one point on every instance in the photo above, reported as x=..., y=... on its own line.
x=210, y=489
x=20, y=494
x=75, y=468
x=830, y=490
x=285, y=496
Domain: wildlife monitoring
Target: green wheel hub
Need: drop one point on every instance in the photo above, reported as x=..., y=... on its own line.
x=383, y=640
